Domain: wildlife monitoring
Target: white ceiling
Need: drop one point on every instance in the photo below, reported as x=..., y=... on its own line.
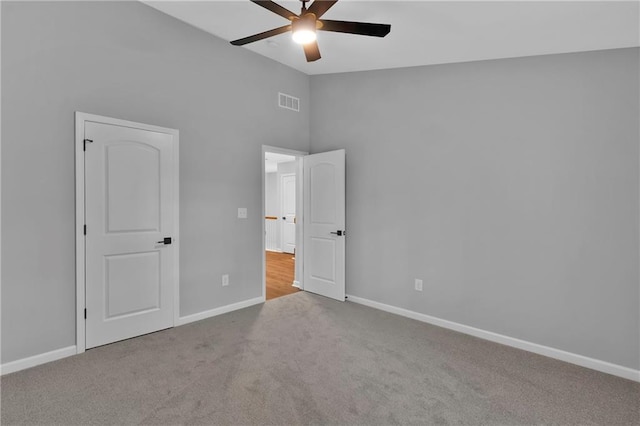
x=424, y=32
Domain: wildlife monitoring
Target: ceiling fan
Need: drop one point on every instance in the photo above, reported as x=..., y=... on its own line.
x=305, y=25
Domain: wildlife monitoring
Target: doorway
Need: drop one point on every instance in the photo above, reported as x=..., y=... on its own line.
x=280, y=207
x=318, y=221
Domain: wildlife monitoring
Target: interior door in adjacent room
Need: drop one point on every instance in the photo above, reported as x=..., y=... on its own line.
x=130, y=241
x=324, y=223
x=288, y=211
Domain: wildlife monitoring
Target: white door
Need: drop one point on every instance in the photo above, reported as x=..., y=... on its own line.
x=129, y=208
x=324, y=224
x=288, y=210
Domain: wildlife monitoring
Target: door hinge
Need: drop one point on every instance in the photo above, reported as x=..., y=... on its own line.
x=85, y=230
x=84, y=147
x=85, y=313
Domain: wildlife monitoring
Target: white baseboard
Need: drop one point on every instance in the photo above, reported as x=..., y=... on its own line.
x=219, y=311
x=583, y=361
x=32, y=361
x=296, y=284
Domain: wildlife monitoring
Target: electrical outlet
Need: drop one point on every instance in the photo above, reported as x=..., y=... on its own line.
x=225, y=280
x=242, y=212
x=418, y=285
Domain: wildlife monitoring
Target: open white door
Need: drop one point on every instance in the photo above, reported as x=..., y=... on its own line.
x=130, y=223
x=324, y=223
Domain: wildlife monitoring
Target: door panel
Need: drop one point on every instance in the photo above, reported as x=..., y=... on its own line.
x=132, y=206
x=323, y=193
x=129, y=210
x=132, y=283
x=324, y=210
x=324, y=266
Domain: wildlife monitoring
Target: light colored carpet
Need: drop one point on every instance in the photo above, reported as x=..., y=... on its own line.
x=304, y=359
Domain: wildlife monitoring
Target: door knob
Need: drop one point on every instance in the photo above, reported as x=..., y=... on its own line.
x=284, y=218
x=166, y=240
x=339, y=233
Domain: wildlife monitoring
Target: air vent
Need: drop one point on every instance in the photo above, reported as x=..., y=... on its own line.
x=288, y=102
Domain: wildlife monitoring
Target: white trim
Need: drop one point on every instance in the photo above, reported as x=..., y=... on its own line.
x=296, y=284
x=32, y=361
x=219, y=311
x=300, y=218
x=57, y=354
x=583, y=361
x=299, y=212
x=176, y=225
x=80, y=248
x=80, y=119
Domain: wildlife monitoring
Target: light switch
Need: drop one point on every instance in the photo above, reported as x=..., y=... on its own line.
x=242, y=212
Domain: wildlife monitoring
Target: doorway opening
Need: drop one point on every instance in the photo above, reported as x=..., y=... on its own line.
x=281, y=174
x=309, y=226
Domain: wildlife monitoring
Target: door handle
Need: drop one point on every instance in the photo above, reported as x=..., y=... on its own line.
x=166, y=240
x=339, y=233
x=284, y=218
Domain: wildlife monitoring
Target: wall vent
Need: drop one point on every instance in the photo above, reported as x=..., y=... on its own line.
x=288, y=102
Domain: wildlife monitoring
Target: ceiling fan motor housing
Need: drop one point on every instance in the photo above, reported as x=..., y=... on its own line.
x=304, y=22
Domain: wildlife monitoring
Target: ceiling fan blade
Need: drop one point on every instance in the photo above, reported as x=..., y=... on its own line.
x=275, y=8
x=319, y=7
x=362, y=28
x=261, y=36
x=311, y=51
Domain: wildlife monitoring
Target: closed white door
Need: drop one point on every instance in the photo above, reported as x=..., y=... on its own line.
x=129, y=174
x=288, y=210
x=324, y=224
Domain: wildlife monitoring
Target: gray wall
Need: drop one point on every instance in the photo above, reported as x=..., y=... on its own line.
x=271, y=205
x=510, y=187
x=126, y=60
x=288, y=167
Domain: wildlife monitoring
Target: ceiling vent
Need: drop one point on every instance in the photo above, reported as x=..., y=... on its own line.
x=288, y=102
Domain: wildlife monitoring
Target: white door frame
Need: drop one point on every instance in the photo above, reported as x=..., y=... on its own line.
x=299, y=217
x=81, y=119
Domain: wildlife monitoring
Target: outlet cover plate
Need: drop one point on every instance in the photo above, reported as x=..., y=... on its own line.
x=418, y=285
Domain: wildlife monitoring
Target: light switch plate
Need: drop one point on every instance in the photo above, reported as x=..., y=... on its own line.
x=242, y=212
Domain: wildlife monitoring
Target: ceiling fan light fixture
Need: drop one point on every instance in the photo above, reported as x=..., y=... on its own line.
x=304, y=29
x=304, y=36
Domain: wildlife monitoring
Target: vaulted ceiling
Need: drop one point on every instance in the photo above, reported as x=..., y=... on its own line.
x=424, y=32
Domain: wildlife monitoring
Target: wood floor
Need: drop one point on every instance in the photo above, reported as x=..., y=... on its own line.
x=280, y=267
